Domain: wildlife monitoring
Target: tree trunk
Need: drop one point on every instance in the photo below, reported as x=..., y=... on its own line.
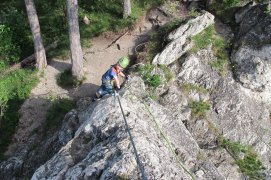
x=127, y=9
x=35, y=29
x=75, y=46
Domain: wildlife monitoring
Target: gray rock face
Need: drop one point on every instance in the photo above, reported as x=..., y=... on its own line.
x=252, y=52
x=253, y=67
x=101, y=147
x=233, y=113
x=38, y=148
x=10, y=167
x=179, y=43
x=239, y=15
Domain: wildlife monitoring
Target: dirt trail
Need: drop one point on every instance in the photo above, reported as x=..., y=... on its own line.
x=97, y=60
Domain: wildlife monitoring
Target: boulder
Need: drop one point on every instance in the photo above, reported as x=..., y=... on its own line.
x=239, y=15
x=179, y=43
x=251, y=55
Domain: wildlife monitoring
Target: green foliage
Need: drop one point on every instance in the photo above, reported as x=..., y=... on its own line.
x=66, y=79
x=234, y=148
x=104, y=16
x=249, y=164
x=230, y=3
x=9, y=51
x=56, y=113
x=18, y=39
x=199, y=108
x=150, y=79
x=14, y=89
x=190, y=86
x=209, y=37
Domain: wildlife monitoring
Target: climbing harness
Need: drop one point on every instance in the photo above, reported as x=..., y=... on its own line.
x=139, y=164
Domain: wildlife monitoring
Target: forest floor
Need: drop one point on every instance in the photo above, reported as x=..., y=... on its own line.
x=97, y=59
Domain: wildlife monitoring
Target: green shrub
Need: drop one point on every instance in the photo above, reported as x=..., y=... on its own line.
x=150, y=79
x=234, y=148
x=154, y=80
x=199, y=108
x=18, y=34
x=248, y=163
x=9, y=51
x=251, y=166
x=56, y=113
x=231, y=3
x=14, y=89
x=67, y=80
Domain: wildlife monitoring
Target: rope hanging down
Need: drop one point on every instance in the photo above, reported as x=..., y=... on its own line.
x=139, y=164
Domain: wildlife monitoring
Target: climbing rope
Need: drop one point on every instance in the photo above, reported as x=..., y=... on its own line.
x=139, y=164
x=165, y=138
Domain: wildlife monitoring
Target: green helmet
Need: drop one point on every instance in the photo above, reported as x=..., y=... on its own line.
x=123, y=62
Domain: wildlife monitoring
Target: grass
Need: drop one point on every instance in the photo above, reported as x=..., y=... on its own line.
x=209, y=37
x=248, y=163
x=66, y=79
x=14, y=89
x=190, y=86
x=199, y=108
x=56, y=113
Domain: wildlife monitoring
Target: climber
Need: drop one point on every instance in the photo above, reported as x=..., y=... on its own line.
x=110, y=78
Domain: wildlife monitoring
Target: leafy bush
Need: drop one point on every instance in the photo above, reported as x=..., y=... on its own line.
x=248, y=163
x=18, y=40
x=251, y=166
x=56, y=113
x=199, y=108
x=9, y=52
x=150, y=79
x=234, y=148
x=231, y=3
x=14, y=89
x=66, y=79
